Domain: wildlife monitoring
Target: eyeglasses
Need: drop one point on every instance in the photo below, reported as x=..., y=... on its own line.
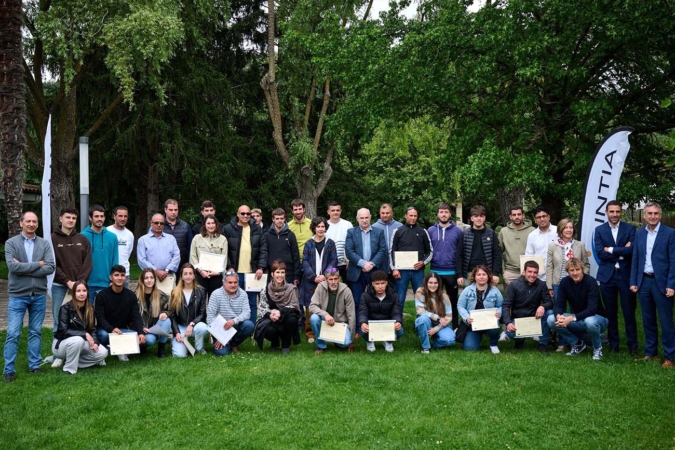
x=158, y=223
x=541, y=217
x=245, y=213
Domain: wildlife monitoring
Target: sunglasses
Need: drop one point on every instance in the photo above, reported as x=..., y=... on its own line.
x=331, y=270
x=245, y=213
x=158, y=223
x=230, y=273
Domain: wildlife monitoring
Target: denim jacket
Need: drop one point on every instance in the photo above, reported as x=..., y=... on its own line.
x=467, y=300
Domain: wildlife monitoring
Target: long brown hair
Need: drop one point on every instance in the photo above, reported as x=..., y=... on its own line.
x=177, y=293
x=433, y=301
x=154, y=294
x=88, y=318
x=486, y=269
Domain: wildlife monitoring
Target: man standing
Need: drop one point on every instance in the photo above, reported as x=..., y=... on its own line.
x=337, y=231
x=256, y=214
x=282, y=245
x=300, y=225
x=653, y=275
x=232, y=303
x=29, y=261
x=388, y=224
x=246, y=251
x=179, y=229
x=478, y=246
x=410, y=238
x=613, y=245
x=538, y=240
x=445, y=236
x=207, y=209
x=581, y=292
x=116, y=310
x=72, y=253
x=125, y=238
x=528, y=297
x=332, y=302
x=513, y=243
x=366, y=250
x=104, y=252
x=158, y=250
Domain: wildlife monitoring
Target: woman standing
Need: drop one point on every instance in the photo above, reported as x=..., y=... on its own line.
x=434, y=314
x=188, y=312
x=319, y=254
x=75, y=340
x=481, y=294
x=209, y=240
x=279, y=311
x=153, y=305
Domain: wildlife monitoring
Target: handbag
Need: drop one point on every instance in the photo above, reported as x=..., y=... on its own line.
x=462, y=329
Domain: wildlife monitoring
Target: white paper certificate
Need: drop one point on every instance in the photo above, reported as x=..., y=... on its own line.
x=168, y=284
x=381, y=330
x=221, y=334
x=157, y=330
x=124, y=344
x=212, y=262
x=405, y=260
x=528, y=327
x=336, y=333
x=536, y=258
x=189, y=346
x=484, y=319
x=253, y=285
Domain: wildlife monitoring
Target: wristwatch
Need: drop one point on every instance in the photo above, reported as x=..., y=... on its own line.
x=574, y=318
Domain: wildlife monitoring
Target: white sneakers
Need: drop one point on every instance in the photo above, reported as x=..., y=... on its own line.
x=310, y=340
x=58, y=362
x=494, y=349
x=370, y=346
x=123, y=357
x=388, y=347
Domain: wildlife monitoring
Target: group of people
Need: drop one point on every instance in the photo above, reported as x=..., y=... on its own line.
x=327, y=270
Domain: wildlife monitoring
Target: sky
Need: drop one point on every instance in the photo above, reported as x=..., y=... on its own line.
x=383, y=5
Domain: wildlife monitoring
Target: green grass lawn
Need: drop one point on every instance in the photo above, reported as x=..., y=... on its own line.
x=258, y=400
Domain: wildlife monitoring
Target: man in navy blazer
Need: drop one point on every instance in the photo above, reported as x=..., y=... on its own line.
x=653, y=275
x=613, y=245
x=366, y=250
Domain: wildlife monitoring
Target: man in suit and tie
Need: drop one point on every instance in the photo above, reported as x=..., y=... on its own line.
x=613, y=245
x=653, y=276
x=366, y=250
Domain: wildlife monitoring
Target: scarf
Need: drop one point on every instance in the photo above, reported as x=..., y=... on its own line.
x=284, y=296
x=568, y=253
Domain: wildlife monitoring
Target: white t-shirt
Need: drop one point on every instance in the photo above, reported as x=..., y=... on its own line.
x=337, y=232
x=125, y=239
x=537, y=244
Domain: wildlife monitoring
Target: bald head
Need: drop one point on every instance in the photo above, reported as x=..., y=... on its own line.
x=157, y=224
x=363, y=218
x=243, y=215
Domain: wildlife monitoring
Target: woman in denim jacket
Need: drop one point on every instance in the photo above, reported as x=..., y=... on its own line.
x=481, y=294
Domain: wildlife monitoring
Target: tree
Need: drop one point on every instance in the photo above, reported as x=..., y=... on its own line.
x=312, y=31
x=135, y=38
x=12, y=112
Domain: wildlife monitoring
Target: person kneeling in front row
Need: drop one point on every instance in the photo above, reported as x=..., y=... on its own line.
x=231, y=302
x=75, y=340
x=434, y=314
x=379, y=302
x=332, y=302
x=581, y=292
x=187, y=308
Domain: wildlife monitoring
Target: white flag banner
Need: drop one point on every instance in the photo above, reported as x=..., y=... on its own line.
x=46, y=196
x=602, y=183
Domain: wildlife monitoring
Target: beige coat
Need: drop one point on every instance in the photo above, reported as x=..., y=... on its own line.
x=210, y=244
x=344, y=304
x=554, y=261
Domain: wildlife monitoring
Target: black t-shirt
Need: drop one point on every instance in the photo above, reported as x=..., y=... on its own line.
x=477, y=252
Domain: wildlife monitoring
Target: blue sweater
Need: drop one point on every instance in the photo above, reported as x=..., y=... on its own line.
x=104, y=255
x=444, y=241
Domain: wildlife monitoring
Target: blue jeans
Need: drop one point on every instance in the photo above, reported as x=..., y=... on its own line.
x=358, y=287
x=179, y=350
x=593, y=325
x=92, y=293
x=244, y=331
x=545, y=329
x=363, y=335
x=473, y=338
x=103, y=335
x=252, y=298
x=315, y=322
x=151, y=339
x=417, y=278
x=444, y=338
x=59, y=292
x=36, y=306
x=653, y=301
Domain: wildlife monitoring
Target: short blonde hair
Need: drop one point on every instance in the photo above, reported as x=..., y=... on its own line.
x=563, y=223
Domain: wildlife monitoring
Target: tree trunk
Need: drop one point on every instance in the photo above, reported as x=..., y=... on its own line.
x=509, y=199
x=12, y=112
x=61, y=187
x=153, y=191
x=142, y=219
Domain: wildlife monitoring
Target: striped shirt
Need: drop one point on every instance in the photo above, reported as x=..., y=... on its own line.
x=236, y=307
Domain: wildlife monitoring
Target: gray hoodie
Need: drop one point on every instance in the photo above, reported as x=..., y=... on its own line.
x=512, y=243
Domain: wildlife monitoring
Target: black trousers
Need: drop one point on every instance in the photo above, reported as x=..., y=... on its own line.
x=285, y=330
x=450, y=284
